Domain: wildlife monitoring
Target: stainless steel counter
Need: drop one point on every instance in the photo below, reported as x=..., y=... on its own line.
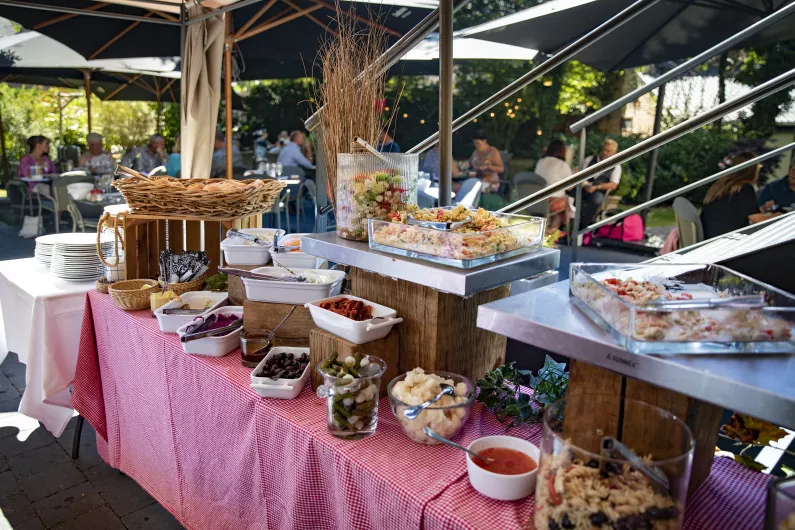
x=763, y=386
x=462, y=282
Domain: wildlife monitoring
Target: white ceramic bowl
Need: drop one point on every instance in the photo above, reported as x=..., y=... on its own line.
x=357, y=332
x=239, y=252
x=280, y=388
x=298, y=260
x=214, y=346
x=497, y=486
x=79, y=191
x=171, y=323
x=292, y=292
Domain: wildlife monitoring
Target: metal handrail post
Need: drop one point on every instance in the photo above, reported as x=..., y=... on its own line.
x=684, y=67
x=392, y=55
x=574, y=235
x=770, y=87
x=445, y=101
x=75, y=11
x=690, y=187
x=559, y=58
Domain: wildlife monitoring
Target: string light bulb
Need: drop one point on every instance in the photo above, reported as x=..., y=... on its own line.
x=491, y=114
x=386, y=108
x=539, y=132
x=547, y=82
x=422, y=122
x=475, y=120
x=519, y=100
x=516, y=107
x=507, y=104
x=405, y=115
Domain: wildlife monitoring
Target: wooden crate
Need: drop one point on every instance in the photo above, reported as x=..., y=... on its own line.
x=258, y=316
x=703, y=419
x=145, y=238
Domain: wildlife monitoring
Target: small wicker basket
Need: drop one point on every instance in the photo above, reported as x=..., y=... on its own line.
x=102, y=285
x=186, y=287
x=129, y=296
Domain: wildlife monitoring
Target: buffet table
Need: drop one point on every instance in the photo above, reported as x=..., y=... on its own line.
x=197, y=438
x=42, y=317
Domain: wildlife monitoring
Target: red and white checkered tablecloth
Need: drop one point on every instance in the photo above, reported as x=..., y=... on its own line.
x=217, y=456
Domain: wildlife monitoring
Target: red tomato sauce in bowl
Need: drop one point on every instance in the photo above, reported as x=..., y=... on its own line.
x=505, y=461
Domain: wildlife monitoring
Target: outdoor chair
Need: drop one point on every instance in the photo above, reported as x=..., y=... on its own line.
x=290, y=171
x=158, y=171
x=469, y=193
x=688, y=222
x=309, y=187
x=78, y=221
x=280, y=205
x=527, y=183
x=19, y=194
x=608, y=207
x=59, y=200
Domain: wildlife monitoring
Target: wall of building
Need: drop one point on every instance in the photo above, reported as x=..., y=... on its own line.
x=783, y=136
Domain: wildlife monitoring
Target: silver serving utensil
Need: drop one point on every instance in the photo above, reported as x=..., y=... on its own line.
x=412, y=412
x=752, y=301
x=175, y=311
x=436, y=436
x=211, y=333
x=257, y=276
x=248, y=237
x=440, y=225
x=272, y=334
x=612, y=448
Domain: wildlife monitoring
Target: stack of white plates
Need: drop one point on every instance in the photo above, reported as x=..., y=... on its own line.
x=74, y=256
x=43, y=252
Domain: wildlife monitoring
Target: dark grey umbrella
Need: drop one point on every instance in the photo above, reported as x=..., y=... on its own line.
x=668, y=30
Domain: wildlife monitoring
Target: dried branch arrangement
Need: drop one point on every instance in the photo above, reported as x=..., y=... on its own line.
x=350, y=92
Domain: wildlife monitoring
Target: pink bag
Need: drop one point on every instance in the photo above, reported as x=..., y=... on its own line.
x=628, y=229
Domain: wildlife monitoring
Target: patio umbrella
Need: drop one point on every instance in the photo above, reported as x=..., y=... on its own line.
x=668, y=30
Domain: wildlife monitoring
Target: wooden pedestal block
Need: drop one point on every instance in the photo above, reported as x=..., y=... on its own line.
x=703, y=419
x=439, y=330
x=263, y=315
x=322, y=344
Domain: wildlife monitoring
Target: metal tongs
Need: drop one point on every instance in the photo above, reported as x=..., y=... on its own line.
x=248, y=237
x=179, y=311
x=612, y=448
x=438, y=225
x=213, y=332
x=751, y=301
x=257, y=276
x=277, y=248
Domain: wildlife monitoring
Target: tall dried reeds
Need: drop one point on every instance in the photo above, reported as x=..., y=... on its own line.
x=349, y=92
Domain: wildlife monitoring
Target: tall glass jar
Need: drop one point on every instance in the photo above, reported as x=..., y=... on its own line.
x=351, y=389
x=369, y=187
x=610, y=462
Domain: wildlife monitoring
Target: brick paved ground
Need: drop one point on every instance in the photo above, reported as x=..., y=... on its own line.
x=42, y=487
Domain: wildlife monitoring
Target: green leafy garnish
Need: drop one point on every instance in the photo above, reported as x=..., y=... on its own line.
x=749, y=462
x=218, y=282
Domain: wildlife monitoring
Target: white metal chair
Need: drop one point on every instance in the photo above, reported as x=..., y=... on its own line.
x=158, y=171
x=58, y=200
x=469, y=193
x=309, y=187
x=19, y=194
x=688, y=222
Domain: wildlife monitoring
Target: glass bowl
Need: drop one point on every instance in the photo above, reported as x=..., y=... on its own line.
x=444, y=420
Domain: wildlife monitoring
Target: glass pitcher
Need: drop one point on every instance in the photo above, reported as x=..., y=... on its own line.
x=351, y=390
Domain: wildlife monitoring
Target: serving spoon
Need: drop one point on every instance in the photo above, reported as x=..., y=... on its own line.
x=412, y=412
x=430, y=433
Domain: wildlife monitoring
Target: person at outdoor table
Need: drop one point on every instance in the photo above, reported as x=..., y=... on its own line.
x=219, y=156
x=292, y=154
x=553, y=168
x=38, y=149
x=594, y=190
x=174, y=164
x=146, y=158
x=779, y=193
x=96, y=159
x=730, y=203
x=387, y=144
x=486, y=162
x=430, y=165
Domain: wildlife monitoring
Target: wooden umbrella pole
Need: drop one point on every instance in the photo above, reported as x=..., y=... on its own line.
x=228, y=92
x=87, y=76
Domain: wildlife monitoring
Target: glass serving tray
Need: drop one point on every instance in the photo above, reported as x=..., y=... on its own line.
x=459, y=249
x=711, y=317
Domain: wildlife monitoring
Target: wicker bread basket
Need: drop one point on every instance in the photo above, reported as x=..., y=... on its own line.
x=186, y=287
x=102, y=285
x=224, y=199
x=129, y=296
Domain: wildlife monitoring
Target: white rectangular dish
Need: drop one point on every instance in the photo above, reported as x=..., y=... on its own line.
x=292, y=292
x=194, y=299
x=241, y=252
x=300, y=260
x=280, y=388
x=214, y=346
x=357, y=332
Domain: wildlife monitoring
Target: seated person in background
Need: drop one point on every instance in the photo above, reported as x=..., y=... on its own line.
x=593, y=191
x=731, y=203
x=779, y=193
x=146, y=158
x=38, y=149
x=261, y=144
x=96, y=159
x=386, y=144
x=174, y=164
x=219, y=157
x=486, y=162
x=430, y=165
x=553, y=168
x=292, y=154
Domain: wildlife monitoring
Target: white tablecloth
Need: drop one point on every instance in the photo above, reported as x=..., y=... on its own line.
x=42, y=318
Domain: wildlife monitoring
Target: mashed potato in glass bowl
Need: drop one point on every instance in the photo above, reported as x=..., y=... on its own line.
x=445, y=417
